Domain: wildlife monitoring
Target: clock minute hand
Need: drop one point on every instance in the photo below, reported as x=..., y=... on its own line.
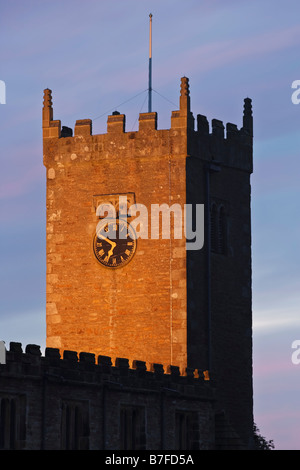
x=113, y=244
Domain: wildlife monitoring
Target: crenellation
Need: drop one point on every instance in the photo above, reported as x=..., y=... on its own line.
x=147, y=121
x=174, y=371
x=217, y=129
x=122, y=364
x=88, y=358
x=226, y=149
x=202, y=125
x=139, y=366
x=33, y=349
x=158, y=369
x=218, y=143
x=232, y=132
x=70, y=356
x=52, y=353
x=15, y=348
x=116, y=122
x=83, y=127
x=103, y=364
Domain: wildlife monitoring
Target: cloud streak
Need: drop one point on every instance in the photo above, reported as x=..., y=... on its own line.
x=215, y=55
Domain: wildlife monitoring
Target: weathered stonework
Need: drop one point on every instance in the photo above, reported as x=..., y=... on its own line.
x=137, y=311
x=168, y=305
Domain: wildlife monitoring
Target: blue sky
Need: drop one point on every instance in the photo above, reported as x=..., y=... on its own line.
x=94, y=57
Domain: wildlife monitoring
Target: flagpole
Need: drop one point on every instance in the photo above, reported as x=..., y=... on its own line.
x=150, y=67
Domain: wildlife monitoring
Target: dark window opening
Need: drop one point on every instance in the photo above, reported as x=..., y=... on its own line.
x=12, y=423
x=74, y=426
x=186, y=431
x=132, y=428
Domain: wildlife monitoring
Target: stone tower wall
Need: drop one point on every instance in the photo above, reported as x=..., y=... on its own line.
x=138, y=310
x=168, y=305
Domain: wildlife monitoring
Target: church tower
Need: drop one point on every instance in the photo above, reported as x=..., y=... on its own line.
x=148, y=296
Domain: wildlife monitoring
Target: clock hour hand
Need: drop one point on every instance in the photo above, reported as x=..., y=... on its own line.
x=111, y=251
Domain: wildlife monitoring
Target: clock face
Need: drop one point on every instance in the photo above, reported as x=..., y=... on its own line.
x=114, y=243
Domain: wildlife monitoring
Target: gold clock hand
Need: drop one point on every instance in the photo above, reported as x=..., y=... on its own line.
x=111, y=251
x=113, y=244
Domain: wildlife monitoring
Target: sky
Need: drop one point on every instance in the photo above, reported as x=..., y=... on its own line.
x=93, y=55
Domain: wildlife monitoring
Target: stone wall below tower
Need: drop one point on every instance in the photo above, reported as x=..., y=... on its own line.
x=79, y=402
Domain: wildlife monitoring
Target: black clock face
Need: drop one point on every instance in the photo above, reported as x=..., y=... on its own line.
x=114, y=243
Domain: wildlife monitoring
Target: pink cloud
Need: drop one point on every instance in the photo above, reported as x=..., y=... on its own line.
x=274, y=367
x=217, y=54
x=281, y=424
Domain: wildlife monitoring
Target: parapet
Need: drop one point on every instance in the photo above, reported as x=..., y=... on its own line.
x=228, y=145
x=233, y=149
x=83, y=127
x=84, y=367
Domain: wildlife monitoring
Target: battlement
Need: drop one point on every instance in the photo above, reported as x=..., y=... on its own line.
x=32, y=362
x=221, y=142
